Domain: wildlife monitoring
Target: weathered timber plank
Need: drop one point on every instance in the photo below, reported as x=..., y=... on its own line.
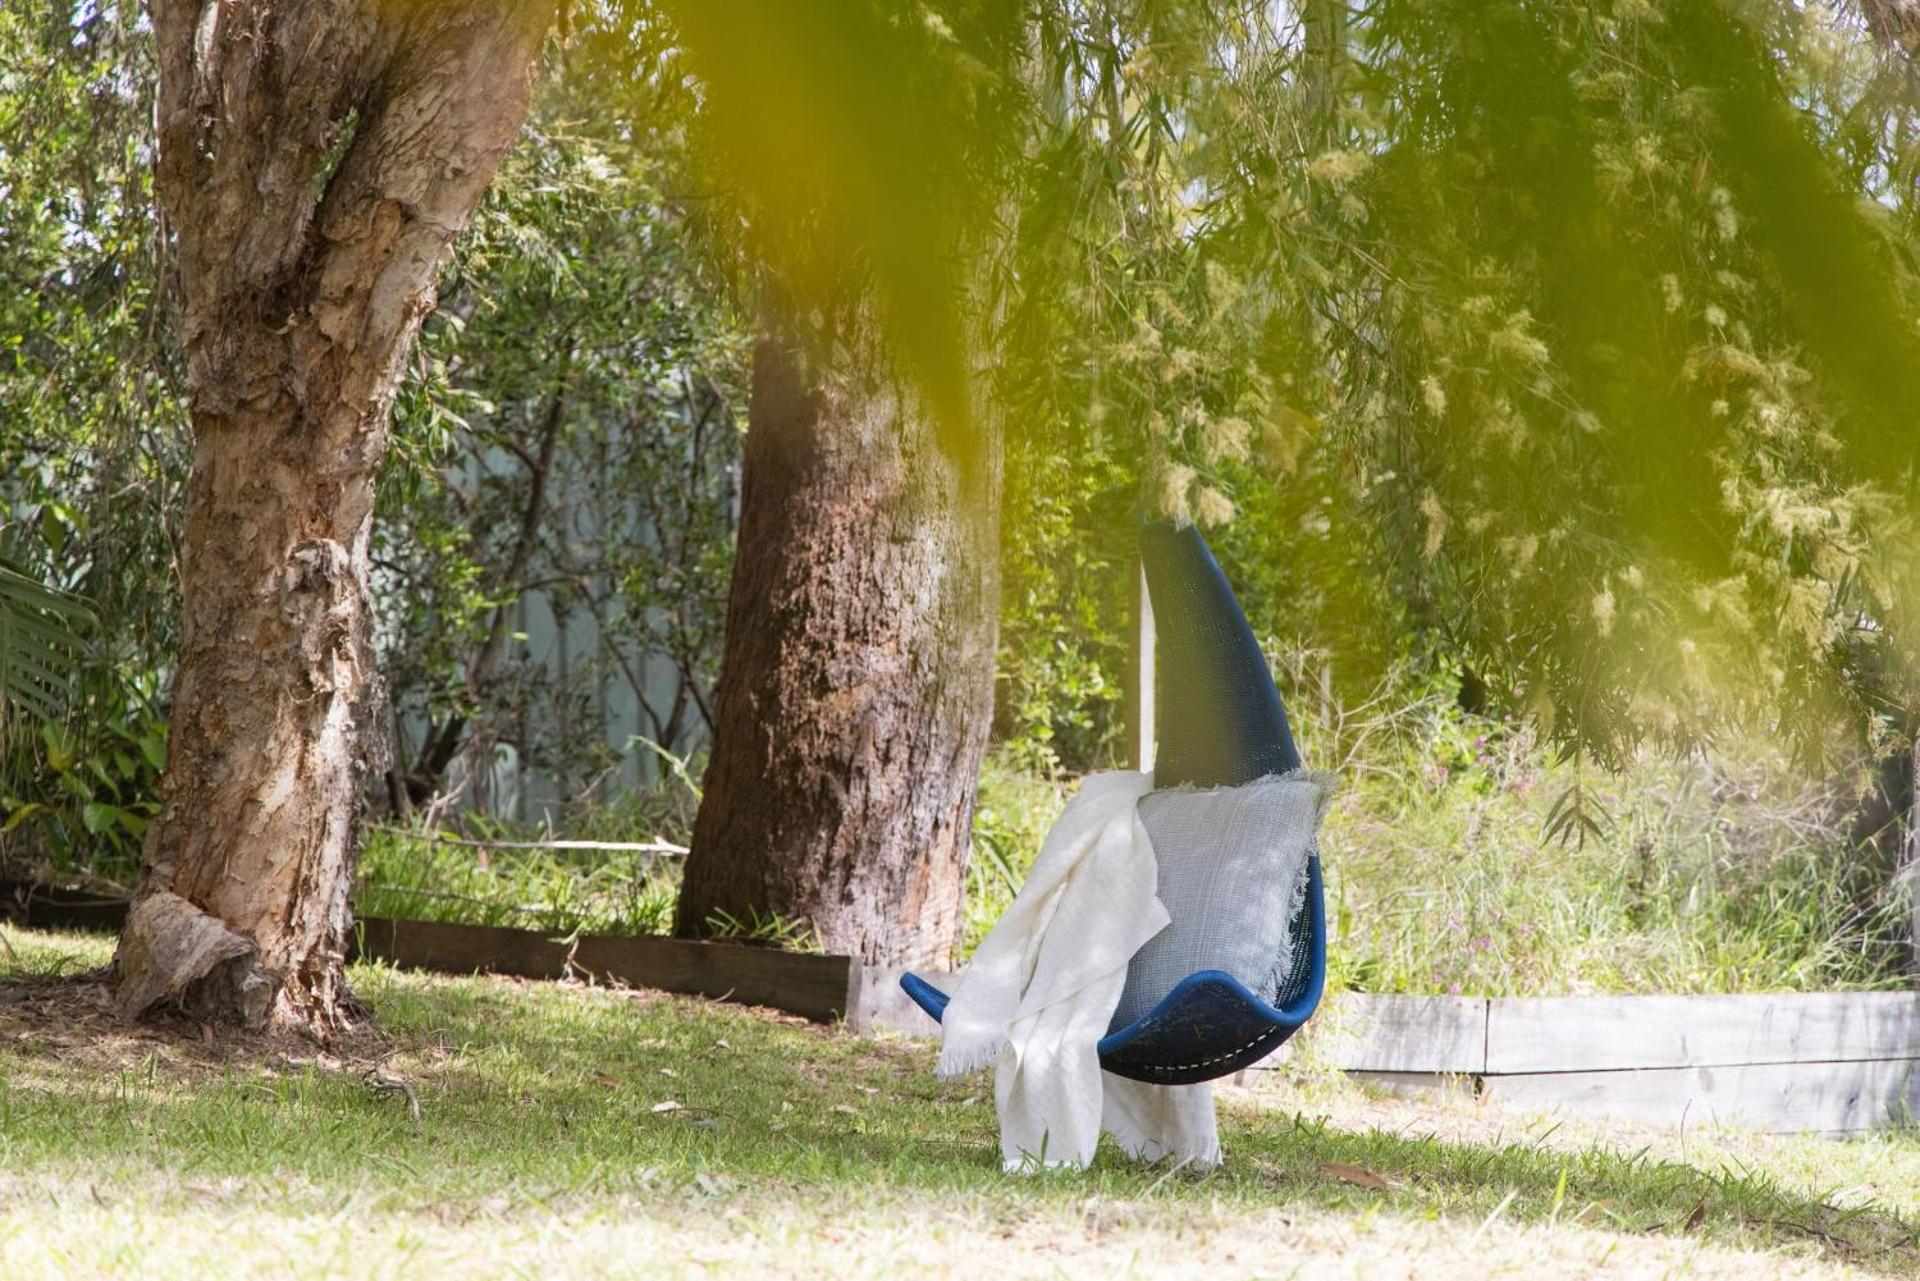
x=459, y=949
x=812, y=986
x=1361, y=1032
x=878, y=1004
x=1579, y=1033
x=1781, y=1097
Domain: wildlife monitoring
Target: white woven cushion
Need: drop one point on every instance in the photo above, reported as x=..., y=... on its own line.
x=1232, y=873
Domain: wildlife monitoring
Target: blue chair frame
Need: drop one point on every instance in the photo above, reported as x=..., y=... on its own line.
x=1209, y=1025
x=1226, y=727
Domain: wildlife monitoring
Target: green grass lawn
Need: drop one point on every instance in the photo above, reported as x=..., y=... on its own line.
x=587, y=1132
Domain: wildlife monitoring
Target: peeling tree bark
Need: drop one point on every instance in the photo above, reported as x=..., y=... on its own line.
x=316, y=160
x=856, y=688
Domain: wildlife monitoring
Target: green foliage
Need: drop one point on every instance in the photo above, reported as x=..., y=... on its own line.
x=1588, y=328
x=1585, y=294
x=477, y=878
x=92, y=450
x=39, y=630
x=571, y=448
x=1444, y=873
x=769, y=928
x=1068, y=551
x=86, y=809
x=868, y=151
x=418, y=877
x=1617, y=389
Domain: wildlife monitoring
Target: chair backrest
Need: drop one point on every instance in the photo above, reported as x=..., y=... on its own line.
x=1218, y=714
x=1221, y=724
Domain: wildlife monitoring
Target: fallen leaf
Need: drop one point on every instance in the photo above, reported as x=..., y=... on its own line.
x=607, y=1079
x=668, y=1072
x=1697, y=1217
x=1355, y=1175
x=669, y=1105
x=722, y=1044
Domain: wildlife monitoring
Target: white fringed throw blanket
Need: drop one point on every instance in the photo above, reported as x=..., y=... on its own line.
x=1041, y=990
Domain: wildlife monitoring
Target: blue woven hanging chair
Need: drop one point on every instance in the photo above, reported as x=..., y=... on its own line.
x=1221, y=725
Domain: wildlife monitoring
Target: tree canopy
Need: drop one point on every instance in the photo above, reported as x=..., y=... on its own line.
x=1590, y=325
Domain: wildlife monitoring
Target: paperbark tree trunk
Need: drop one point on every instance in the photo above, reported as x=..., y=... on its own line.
x=316, y=160
x=856, y=688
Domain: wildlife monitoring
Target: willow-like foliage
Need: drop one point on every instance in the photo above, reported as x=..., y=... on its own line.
x=1587, y=328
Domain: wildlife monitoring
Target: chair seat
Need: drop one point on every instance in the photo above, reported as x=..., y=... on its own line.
x=1210, y=1025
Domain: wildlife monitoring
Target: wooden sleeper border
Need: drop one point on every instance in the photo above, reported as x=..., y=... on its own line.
x=811, y=985
x=1788, y=1062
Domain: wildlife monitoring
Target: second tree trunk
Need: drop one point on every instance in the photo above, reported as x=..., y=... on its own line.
x=856, y=690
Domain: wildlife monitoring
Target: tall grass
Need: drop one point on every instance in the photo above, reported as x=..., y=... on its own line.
x=418, y=875
x=1702, y=876
x=1723, y=875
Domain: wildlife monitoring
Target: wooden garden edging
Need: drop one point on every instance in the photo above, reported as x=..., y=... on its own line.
x=1834, y=1062
x=808, y=984
x=52, y=908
